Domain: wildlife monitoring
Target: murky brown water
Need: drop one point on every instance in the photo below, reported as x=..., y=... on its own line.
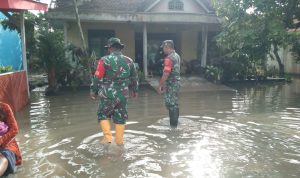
x=253, y=132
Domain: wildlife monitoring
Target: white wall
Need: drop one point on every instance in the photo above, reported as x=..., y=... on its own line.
x=190, y=6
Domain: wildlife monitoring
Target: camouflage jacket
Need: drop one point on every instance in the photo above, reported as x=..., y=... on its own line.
x=115, y=75
x=175, y=71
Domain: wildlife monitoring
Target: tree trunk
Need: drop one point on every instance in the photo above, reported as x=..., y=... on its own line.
x=281, y=66
x=85, y=53
x=79, y=26
x=52, y=83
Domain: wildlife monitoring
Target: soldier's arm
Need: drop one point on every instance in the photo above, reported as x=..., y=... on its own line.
x=163, y=79
x=166, y=73
x=99, y=74
x=134, y=79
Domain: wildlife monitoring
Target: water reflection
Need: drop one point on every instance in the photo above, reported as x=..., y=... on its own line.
x=253, y=132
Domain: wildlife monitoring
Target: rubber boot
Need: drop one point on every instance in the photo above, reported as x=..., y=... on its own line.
x=105, y=126
x=177, y=114
x=174, y=114
x=120, y=134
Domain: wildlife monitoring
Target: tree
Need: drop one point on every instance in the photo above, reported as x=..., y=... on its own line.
x=254, y=29
x=51, y=51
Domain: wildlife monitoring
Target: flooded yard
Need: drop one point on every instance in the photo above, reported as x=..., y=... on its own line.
x=253, y=131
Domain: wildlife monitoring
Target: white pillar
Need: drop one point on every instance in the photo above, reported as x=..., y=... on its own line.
x=204, y=46
x=23, y=43
x=145, y=60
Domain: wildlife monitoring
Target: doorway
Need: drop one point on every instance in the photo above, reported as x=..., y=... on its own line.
x=154, y=55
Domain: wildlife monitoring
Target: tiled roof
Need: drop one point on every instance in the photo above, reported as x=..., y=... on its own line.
x=128, y=6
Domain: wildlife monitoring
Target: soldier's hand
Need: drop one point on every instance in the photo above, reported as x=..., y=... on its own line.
x=93, y=95
x=160, y=90
x=135, y=94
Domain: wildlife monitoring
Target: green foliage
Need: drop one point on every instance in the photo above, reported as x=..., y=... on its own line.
x=288, y=78
x=213, y=73
x=79, y=74
x=51, y=51
x=251, y=29
x=51, y=48
x=141, y=77
x=88, y=61
x=273, y=72
x=235, y=70
x=4, y=69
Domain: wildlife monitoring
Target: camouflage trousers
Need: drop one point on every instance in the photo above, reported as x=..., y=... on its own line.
x=113, y=108
x=171, y=95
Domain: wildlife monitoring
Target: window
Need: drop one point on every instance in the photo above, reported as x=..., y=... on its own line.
x=97, y=39
x=176, y=5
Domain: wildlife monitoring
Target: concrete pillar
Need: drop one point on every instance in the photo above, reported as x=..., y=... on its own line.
x=204, y=46
x=23, y=43
x=145, y=60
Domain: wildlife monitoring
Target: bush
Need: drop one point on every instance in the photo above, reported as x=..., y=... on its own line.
x=213, y=73
x=4, y=69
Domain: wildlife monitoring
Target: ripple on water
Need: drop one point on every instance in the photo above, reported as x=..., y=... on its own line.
x=249, y=134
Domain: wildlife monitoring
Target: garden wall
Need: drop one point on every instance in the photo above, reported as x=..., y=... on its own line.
x=13, y=89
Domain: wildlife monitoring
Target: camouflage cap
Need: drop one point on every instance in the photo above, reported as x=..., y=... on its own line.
x=167, y=43
x=113, y=41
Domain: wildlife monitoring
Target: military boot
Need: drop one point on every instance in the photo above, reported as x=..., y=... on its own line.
x=120, y=134
x=105, y=126
x=174, y=114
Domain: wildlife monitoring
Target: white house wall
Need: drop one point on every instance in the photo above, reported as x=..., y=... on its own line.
x=187, y=35
x=73, y=34
x=123, y=31
x=190, y=6
x=189, y=43
x=289, y=63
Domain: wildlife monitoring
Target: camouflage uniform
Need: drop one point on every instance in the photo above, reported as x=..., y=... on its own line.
x=172, y=67
x=173, y=82
x=113, y=88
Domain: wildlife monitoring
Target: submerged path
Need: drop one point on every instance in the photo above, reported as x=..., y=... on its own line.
x=193, y=84
x=252, y=132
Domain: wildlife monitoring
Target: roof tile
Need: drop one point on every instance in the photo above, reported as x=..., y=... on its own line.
x=129, y=6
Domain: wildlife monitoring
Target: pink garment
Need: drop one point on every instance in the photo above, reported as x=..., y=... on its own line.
x=3, y=128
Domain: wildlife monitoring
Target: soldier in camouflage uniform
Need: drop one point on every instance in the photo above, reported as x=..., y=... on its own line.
x=171, y=76
x=114, y=76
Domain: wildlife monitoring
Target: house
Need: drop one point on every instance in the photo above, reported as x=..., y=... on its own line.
x=141, y=25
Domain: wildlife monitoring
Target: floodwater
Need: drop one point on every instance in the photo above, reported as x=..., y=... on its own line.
x=251, y=132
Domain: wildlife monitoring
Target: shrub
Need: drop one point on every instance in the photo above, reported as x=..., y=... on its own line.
x=213, y=73
x=4, y=69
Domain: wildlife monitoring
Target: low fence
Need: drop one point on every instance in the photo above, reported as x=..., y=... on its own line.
x=13, y=89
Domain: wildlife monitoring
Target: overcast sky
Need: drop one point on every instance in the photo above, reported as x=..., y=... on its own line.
x=43, y=1
x=46, y=1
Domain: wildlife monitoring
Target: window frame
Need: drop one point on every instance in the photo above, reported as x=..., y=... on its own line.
x=175, y=5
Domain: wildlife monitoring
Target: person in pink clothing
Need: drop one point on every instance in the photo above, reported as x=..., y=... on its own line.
x=10, y=155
